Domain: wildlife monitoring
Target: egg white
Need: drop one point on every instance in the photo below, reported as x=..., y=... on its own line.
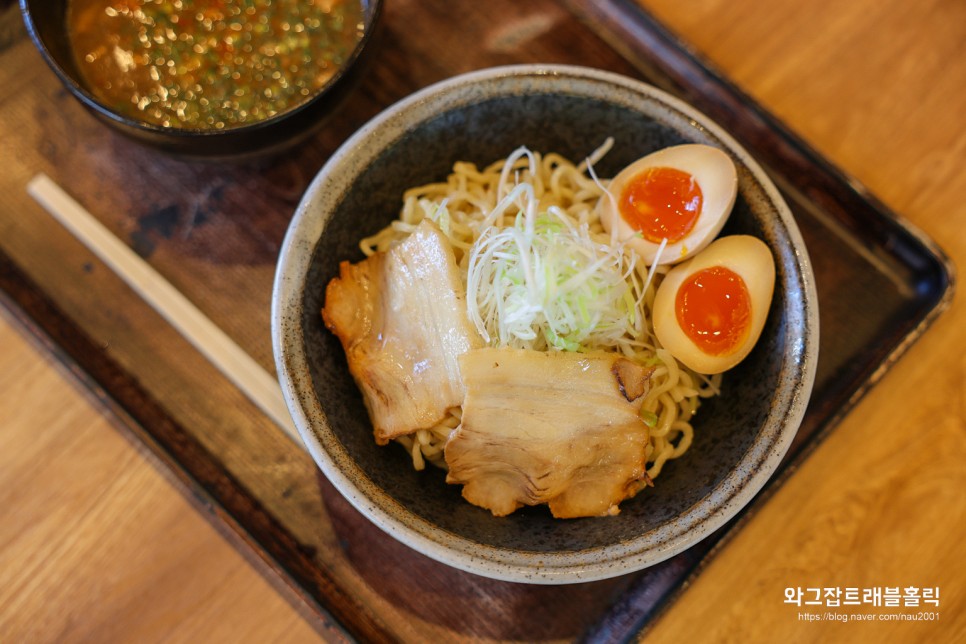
x=715, y=174
x=747, y=256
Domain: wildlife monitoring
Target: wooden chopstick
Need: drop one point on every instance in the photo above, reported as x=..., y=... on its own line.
x=238, y=366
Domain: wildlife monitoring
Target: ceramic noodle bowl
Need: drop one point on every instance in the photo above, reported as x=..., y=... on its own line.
x=740, y=435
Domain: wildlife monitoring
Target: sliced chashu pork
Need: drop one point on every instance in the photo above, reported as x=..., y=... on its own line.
x=401, y=318
x=558, y=428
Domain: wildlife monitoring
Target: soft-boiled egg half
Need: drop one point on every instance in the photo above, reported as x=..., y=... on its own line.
x=709, y=311
x=682, y=194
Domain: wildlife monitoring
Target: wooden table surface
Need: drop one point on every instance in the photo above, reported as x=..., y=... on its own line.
x=99, y=543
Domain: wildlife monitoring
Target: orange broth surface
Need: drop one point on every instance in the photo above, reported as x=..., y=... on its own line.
x=210, y=64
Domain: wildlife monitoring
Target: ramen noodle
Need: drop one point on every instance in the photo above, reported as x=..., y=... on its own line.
x=471, y=200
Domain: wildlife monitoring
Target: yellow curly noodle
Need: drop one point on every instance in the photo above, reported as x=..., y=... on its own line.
x=463, y=206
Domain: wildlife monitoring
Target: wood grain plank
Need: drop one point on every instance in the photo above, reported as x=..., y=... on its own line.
x=105, y=545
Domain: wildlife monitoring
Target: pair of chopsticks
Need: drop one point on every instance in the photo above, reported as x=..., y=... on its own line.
x=238, y=366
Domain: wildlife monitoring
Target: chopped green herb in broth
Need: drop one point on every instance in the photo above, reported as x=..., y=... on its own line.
x=210, y=64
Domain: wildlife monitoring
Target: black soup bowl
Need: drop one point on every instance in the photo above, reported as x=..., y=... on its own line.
x=48, y=23
x=740, y=435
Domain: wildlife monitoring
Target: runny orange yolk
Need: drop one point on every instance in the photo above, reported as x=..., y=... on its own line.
x=714, y=310
x=661, y=203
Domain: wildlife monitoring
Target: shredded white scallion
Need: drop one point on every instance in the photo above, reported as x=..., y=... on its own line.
x=545, y=281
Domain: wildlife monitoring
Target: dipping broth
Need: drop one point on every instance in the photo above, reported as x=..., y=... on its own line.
x=210, y=64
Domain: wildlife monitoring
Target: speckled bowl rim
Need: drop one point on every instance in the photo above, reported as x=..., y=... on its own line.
x=308, y=224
